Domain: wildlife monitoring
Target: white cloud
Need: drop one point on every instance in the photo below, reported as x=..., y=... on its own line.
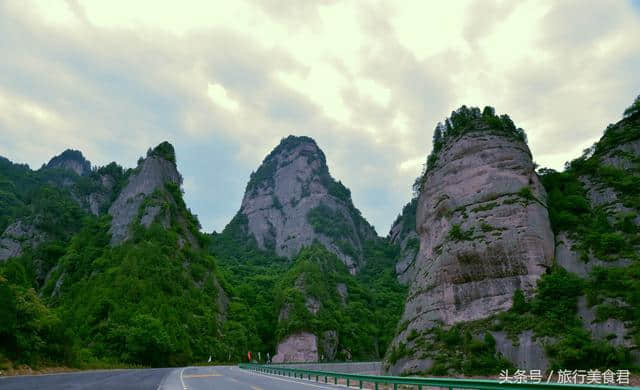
x=368, y=80
x=220, y=97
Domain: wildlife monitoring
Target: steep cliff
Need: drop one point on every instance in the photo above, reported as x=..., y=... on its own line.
x=72, y=160
x=292, y=201
x=483, y=228
x=493, y=287
x=154, y=173
x=594, y=206
x=403, y=233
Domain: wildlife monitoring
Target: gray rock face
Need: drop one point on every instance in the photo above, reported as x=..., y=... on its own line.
x=571, y=261
x=612, y=330
x=410, y=365
x=298, y=347
x=71, y=160
x=313, y=305
x=329, y=344
x=343, y=292
x=622, y=156
x=526, y=353
x=292, y=181
x=482, y=236
x=97, y=202
x=153, y=173
x=18, y=236
x=403, y=233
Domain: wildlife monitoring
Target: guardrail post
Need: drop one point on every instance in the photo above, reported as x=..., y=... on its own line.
x=395, y=386
x=376, y=385
x=360, y=384
x=325, y=379
x=335, y=380
x=347, y=382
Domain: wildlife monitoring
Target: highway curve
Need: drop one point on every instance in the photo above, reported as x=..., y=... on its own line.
x=186, y=378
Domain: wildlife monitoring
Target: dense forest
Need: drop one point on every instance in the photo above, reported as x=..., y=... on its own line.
x=170, y=294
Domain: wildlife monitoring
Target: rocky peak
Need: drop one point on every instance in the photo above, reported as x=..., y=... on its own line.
x=482, y=224
x=153, y=173
x=72, y=160
x=291, y=201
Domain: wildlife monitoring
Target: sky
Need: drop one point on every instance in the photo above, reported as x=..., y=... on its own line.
x=224, y=81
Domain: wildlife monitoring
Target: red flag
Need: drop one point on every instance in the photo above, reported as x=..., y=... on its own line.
x=249, y=355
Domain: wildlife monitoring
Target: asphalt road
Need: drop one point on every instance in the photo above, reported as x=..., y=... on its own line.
x=187, y=378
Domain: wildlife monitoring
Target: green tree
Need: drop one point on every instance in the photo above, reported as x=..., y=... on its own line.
x=633, y=109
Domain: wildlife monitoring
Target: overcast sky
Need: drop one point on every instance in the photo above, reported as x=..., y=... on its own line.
x=224, y=81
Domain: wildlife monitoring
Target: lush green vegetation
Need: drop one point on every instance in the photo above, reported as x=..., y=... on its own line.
x=408, y=217
x=553, y=312
x=150, y=301
x=164, y=150
x=170, y=295
x=457, y=234
x=463, y=121
x=633, y=109
x=364, y=319
x=251, y=275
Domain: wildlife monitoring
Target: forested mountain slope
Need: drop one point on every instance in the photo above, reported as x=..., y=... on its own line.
x=566, y=296
x=79, y=297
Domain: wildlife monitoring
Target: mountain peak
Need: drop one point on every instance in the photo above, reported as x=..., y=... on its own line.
x=152, y=177
x=164, y=150
x=291, y=201
x=72, y=160
x=288, y=150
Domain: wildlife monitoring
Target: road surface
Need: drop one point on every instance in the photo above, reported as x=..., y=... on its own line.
x=187, y=378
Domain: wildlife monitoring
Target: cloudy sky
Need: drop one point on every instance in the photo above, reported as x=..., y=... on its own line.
x=224, y=81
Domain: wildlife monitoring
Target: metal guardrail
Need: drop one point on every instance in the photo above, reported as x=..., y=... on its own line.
x=395, y=381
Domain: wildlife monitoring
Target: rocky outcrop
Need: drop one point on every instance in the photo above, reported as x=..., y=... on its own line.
x=152, y=174
x=292, y=201
x=298, y=347
x=403, y=233
x=343, y=292
x=615, y=331
x=526, y=353
x=484, y=232
x=17, y=237
x=329, y=345
x=572, y=261
x=72, y=160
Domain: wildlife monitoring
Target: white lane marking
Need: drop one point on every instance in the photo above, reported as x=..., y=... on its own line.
x=328, y=386
x=182, y=380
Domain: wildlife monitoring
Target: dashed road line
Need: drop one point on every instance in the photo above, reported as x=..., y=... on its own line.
x=201, y=375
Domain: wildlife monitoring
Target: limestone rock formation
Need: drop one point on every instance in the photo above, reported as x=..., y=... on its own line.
x=484, y=231
x=18, y=236
x=292, y=201
x=72, y=160
x=608, y=173
x=298, y=347
x=152, y=174
x=403, y=233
